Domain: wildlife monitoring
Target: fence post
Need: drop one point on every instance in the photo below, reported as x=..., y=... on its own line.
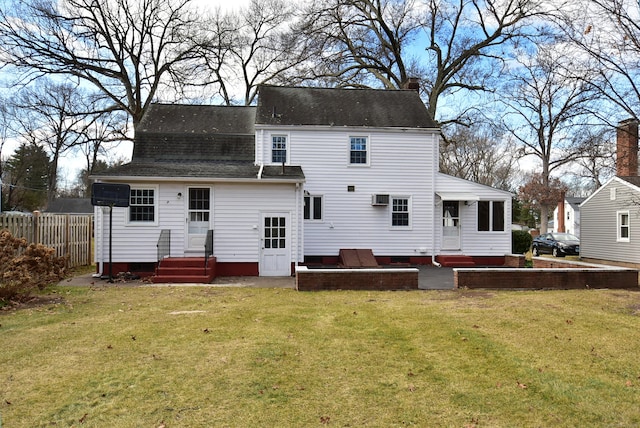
x=36, y=227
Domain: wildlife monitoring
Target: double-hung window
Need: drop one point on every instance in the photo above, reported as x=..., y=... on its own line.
x=623, y=226
x=279, y=148
x=401, y=212
x=491, y=216
x=142, y=205
x=313, y=207
x=358, y=152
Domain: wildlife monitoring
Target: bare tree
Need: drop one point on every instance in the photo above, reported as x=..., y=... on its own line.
x=256, y=45
x=366, y=43
x=61, y=118
x=479, y=153
x=127, y=49
x=597, y=161
x=545, y=109
x=607, y=33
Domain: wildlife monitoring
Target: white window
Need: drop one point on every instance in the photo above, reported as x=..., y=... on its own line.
x=401, y=212
x=313, y=207
x=491, y=216
x=142, y=205
x=359, y=151
x=279, y=148
x=612, y=194
x=623, y=227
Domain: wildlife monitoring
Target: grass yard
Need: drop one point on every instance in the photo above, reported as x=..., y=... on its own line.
x=237, y=357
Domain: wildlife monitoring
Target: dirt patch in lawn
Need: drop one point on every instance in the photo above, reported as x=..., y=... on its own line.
x=48, y=302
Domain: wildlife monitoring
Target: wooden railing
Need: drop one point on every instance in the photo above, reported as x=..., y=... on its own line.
x=68, y=234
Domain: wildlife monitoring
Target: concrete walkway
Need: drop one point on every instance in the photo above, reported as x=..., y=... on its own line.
x=429, y=278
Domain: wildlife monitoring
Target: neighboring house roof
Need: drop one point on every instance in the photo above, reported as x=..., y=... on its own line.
x=635, y=180
x=341, y=107
x=574, y=202
x=70, y=206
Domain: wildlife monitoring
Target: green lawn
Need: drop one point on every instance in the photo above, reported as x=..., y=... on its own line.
x=237, y=357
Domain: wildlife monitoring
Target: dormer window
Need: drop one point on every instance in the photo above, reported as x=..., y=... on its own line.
x=279, y=148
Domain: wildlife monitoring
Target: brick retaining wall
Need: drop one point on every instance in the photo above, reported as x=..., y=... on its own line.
x=548, y=278
x=356, y=279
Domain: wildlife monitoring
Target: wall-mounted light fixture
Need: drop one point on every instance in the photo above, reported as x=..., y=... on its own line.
x=179, y=196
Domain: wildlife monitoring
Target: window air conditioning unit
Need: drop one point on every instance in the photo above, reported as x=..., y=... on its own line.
x=379, y=200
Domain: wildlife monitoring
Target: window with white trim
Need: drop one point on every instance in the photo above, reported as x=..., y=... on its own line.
x=142, y=205
x=623, y=226
x=358, y=151
x=401, y=212
x=279, y=148
x=491, y=216
x=313, y=207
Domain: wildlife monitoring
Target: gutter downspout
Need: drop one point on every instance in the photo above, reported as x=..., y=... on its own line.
x=299, y=227
x=433, y=194
x=260, y=171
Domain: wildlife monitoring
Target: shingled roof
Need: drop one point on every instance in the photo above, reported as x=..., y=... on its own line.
x=178, y=132
x=203, y=141
x=341, y=107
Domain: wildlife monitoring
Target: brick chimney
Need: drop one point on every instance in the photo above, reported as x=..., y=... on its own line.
x=560, y=227
x=627, y=148
x=413, y=83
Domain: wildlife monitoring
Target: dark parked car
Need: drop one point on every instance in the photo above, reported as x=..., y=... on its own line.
x=558, y=244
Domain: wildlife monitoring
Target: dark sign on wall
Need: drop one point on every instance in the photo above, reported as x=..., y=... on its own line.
x=110, y=194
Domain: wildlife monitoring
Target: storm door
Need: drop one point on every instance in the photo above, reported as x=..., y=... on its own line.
x=450, y=225
x=198, y=217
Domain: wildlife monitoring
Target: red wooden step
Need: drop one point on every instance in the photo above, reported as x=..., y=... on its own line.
x=456, y=261
x=185, y=270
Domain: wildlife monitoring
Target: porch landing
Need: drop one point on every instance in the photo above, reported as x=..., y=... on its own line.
x=185, y=270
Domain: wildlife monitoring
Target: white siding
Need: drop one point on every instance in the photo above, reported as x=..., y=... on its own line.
x=401, y=164
x=138, y=242
x=237, y=218
x=598, y=224
x=571, y=221
x=474, y=242
x=235, y=211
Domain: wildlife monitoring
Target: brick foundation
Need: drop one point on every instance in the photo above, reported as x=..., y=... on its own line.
x=356, y=279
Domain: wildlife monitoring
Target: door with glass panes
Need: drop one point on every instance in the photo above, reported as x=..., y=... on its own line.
x=275, y=254
x=198, y=217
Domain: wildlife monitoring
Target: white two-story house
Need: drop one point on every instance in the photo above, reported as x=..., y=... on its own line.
x=304, y=174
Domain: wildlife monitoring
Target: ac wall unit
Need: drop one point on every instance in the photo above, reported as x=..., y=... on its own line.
x=379, y=200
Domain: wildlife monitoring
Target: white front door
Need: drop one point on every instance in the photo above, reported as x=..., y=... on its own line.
x=198, y=215
x=275, y=254
x=450, y=225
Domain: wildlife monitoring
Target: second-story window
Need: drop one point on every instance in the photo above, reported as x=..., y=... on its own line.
x=279, y=149
x=358, y=151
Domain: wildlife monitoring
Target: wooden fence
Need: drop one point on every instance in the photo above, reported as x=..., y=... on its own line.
x=69, y=234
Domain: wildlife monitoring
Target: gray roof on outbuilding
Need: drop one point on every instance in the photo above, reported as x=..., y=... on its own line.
x=574, y=202
x=70, y=206
x=279, y=105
